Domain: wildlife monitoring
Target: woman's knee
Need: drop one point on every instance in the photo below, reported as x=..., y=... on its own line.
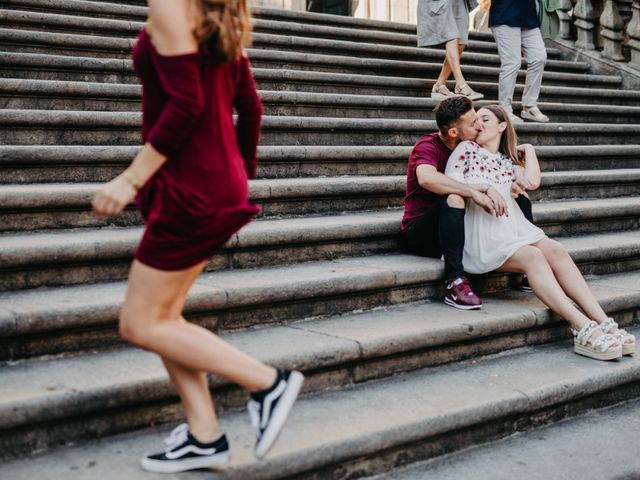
x=532, y=258
x=455, y=201
x=130, y=331
x=554, y=250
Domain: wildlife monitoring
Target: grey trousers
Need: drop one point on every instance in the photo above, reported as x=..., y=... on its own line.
x=512, y=43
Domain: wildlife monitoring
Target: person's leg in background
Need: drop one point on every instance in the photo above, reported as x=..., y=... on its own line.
x=535, y=54
x=508, y=40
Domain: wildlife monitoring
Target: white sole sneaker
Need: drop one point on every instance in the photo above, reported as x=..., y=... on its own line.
x=453, y=304
x=176, y=466
x=280, y=414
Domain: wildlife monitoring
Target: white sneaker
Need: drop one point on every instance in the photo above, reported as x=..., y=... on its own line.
x=269, y=410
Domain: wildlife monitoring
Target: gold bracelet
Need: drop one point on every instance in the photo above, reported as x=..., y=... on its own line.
x=131, y=179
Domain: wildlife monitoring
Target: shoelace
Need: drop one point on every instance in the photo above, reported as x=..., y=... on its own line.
x=177, y=437
x=254, y=414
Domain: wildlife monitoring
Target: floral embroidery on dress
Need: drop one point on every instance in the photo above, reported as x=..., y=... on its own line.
x=482, y=165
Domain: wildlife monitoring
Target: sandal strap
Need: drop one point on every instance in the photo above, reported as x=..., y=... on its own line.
x=603, y=342
x=621, y=335
x=585, y=332
x=608, y=325
x=441, y=89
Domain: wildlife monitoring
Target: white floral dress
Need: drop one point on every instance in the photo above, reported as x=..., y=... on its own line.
x=490, y=240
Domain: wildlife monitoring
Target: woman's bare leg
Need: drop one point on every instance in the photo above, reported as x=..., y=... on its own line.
x=570, y=278
x=453, y=53
x=193, y=389
x=531, y=260
x=151, y=318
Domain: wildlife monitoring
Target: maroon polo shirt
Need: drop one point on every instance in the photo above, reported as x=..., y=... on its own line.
x=428, y=150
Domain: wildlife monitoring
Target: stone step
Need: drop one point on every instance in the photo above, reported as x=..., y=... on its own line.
x=69, y=34
x=81, y=67
x=66, y=95
x=132, y=11
x=362, y=84
x=78, y=256
x=60, y=67
x=26, y=164
x=30, y=207
x=77, y=17
x=396, y=420
x=94, y=96
x=402, y=68
x=53, y=127
x=301, y=22
x=595, y=445
x=71, y=318
x=60, y=95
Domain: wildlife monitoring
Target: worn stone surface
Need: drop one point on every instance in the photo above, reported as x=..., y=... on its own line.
x=342, y=97
x=570, y=449
x=434, y=403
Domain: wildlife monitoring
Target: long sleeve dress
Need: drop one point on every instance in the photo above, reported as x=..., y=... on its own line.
x=490, y=240
x=199, y=198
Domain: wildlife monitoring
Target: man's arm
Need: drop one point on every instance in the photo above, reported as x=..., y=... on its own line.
x=430, y=179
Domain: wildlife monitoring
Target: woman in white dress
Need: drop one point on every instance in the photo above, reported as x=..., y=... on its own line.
x=508, y=242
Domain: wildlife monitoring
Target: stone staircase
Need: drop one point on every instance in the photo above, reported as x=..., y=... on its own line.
x=316, y=283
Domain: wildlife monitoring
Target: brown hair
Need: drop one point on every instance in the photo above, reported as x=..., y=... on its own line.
x=509, y=139
x=224, y=29
x=449, y=111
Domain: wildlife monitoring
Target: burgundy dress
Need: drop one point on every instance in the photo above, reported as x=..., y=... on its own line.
x=199, y=198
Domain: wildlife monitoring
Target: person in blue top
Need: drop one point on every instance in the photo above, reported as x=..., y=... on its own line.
x=516, y=28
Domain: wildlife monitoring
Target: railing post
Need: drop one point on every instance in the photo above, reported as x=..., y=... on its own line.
x=633, y=31
x=611, y=30
x=565, y=19
x=585, y=16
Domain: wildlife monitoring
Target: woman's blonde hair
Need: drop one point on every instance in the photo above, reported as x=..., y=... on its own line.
x=509, y=139
x=224, y=29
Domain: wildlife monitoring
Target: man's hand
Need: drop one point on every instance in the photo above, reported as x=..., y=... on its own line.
x=518, y=188
x=498, y=201
x=113, y=197
x=484, y=202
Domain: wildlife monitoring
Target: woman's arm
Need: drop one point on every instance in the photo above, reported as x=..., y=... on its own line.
x=249, y=107
x=531, y=174
x=169, y=25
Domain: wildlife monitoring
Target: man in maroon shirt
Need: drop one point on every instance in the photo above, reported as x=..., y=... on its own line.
x=433, y=221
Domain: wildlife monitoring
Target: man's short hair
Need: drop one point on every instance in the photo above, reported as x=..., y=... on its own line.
x=449, y=111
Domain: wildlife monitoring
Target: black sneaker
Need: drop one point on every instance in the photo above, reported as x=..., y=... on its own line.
x=524, y=286
x=270, y=408
x=186, y=453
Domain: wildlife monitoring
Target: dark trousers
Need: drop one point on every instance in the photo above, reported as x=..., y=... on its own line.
x=440, y=232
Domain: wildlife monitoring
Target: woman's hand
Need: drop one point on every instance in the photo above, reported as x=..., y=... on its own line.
x=113, y=197
x=498, y=201
x=483, y=201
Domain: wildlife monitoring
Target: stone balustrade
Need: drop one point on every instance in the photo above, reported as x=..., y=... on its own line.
x=610, y=26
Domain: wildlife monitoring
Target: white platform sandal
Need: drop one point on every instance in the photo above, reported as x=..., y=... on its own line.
x=534, y=114
x=605, y=347
x=627, y=340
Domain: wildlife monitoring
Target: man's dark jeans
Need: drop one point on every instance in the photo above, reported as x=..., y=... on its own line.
x=440, y=232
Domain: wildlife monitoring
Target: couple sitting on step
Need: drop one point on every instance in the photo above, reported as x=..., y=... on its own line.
x=466, y=200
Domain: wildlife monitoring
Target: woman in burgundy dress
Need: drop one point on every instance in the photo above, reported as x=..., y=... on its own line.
x=190, y=184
